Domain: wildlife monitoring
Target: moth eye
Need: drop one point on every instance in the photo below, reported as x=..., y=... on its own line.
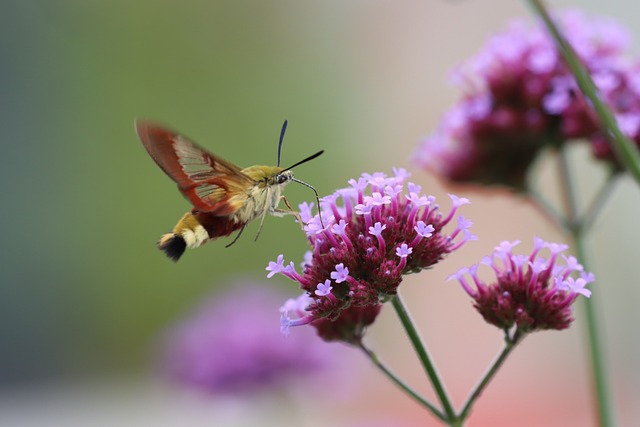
x=281, y=179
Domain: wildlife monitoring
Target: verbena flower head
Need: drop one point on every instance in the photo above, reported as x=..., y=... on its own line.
x=371, y=233
x=519, y=97
x=530, y=291
x=231, y=345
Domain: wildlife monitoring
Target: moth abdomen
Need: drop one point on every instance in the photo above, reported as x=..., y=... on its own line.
x=173, y=245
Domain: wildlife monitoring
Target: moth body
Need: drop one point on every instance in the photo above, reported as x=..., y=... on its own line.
x=197, y=227
x=225, y=198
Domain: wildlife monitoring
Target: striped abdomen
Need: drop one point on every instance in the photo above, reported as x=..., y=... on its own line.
x=194, y=229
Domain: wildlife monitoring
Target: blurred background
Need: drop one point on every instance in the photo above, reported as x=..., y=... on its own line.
x=85, y=296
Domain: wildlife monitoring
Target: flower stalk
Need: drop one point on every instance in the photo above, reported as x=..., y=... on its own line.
x=576, y=225
x=577, y=231
x=510, y=343
x=423, y=355
x=598, y=364
x=401, y=384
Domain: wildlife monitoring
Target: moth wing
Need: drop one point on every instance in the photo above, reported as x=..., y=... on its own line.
x=211, y=183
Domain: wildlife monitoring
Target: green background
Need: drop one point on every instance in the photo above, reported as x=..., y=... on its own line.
x=83, y=286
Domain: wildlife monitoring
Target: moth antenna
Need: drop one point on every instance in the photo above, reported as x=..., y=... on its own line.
x=311, y=157
x=284, y=129
x=314, y=191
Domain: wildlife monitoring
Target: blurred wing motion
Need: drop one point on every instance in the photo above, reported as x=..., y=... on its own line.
x=217, y=189
x=211, y=184
x=225, y=198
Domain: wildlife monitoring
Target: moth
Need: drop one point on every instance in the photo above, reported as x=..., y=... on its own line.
x=225, y=198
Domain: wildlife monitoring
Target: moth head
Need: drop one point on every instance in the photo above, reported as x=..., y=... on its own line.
x=284, y=177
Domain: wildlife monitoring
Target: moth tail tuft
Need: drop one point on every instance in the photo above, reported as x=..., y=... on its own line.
x=173, y=245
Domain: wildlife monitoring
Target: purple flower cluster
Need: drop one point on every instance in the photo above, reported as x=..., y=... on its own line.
x=364, y=239
x=519, y=97
x=530, y=292
x=229, y=346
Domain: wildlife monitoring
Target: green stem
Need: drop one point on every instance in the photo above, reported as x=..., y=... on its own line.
x=576, y=227
x=598, y=202
x=577, y=230
x=545, y=208
x=605, y=408
x=397, y=381
x=625, y=150
x=421, y=350
x=567, y=188
x=509, y=345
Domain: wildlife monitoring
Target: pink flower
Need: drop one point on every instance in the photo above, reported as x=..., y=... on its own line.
x=530, y=292
x=519, y=98
x=367, y=244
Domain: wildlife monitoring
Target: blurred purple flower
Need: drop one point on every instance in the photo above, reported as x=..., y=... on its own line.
x=530, y=291
x=231, y=344
x=519, y=97
x=371, y=234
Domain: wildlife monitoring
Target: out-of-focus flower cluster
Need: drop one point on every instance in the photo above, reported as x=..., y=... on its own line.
x=370, y=234
x=519, y=98
x=530, y=292
x=231, y=345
